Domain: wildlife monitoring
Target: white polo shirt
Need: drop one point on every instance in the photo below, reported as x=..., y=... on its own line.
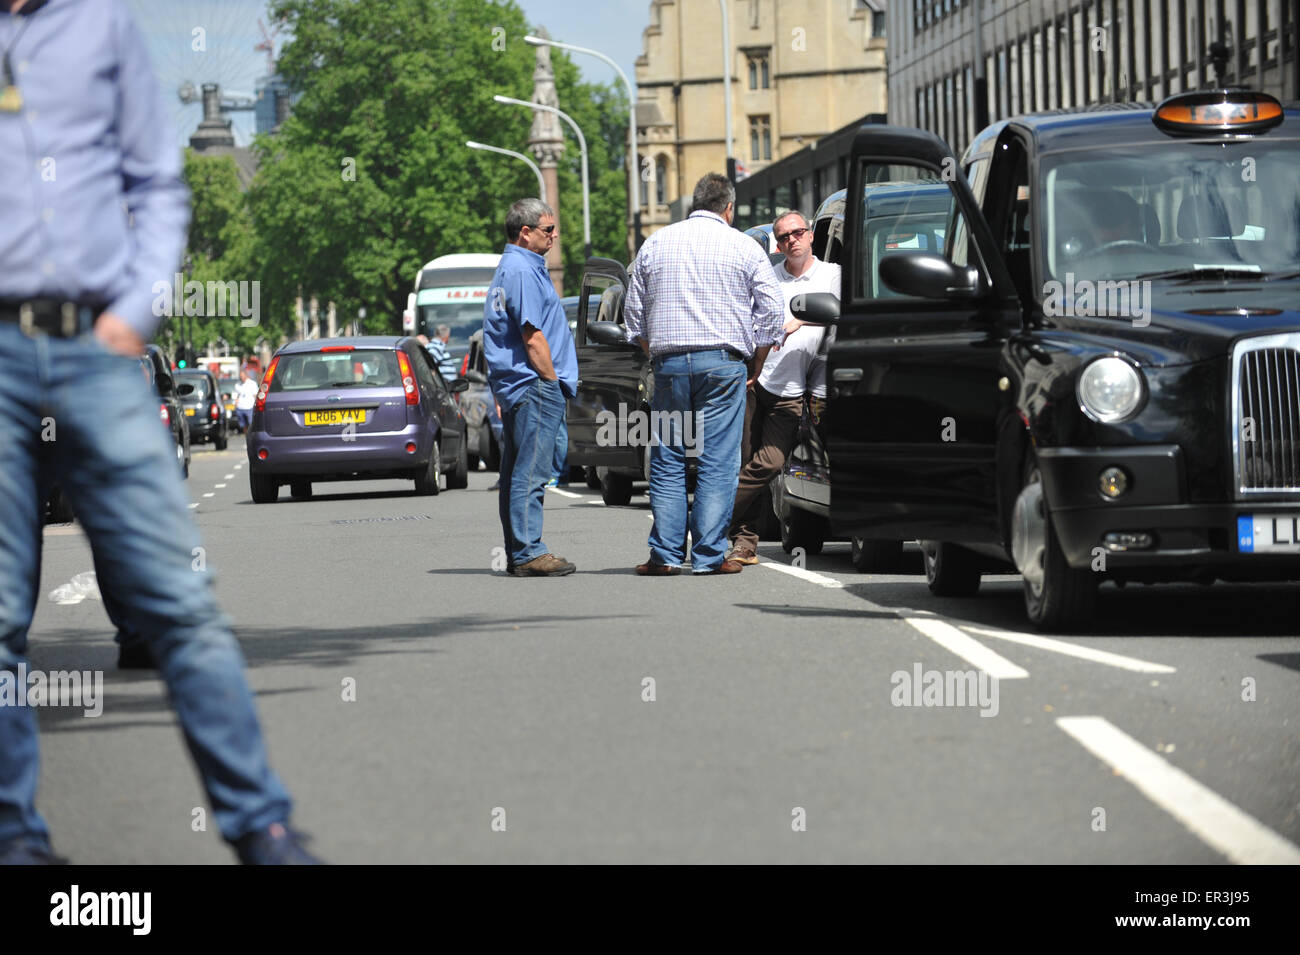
x=799, y=365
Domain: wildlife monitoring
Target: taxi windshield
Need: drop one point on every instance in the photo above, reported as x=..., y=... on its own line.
x=1173, y=209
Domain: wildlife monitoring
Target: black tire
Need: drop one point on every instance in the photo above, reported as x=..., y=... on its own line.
x=300, y=490
x=875, y=557
x=221, y=441
x=616, y=490
x=458, y=477
x=428, y=478
x=471, y=460
x=592, y=479
x=264, y=487
x=801, y=529
x=1057, y=596
x=60, y=509
x=951, y=571
x=492, y=460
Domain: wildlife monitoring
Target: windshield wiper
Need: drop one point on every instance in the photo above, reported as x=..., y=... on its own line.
x=1209, y=272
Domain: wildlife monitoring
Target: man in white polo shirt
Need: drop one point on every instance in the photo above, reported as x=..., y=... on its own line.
x=775, y=400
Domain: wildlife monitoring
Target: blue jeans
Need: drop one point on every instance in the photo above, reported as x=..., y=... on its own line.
x=700, y=398
x=117, y=464
x=527, y=456
x=561, y=465
x=244, y=418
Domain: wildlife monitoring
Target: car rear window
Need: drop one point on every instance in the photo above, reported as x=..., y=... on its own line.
x=362, y=368
x=200, y=384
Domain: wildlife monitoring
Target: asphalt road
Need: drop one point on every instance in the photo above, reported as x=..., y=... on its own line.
x=498, y=719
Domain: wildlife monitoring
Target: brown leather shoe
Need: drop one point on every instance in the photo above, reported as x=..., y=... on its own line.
x=743, y=555
x=651, y=569
x=728, y=566
x=548, y=565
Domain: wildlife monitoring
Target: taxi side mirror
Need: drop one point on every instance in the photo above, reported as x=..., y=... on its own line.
x=816, y=308
x=457, y=385
x=476, y=376
x=607, y=333
x=926, y=275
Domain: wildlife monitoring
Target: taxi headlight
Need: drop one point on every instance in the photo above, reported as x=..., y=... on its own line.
x=1110, y=390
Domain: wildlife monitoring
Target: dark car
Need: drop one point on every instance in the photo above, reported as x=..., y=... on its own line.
x=227, y=388
x=341, y=409
x=205, y=414
x=480, y=408
x=905, y=217
x=158, y=370
x=1098, y=376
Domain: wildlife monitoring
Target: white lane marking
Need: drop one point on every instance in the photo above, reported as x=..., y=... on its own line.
x=819, y=579
x=194, y=505
x=1074, y=650
x=227, y=477
x=592, y=503
x=209, y=495
x=1217, y=822
x=968, y=648
x=218, y=485
x=238, y=466
x=564, y=493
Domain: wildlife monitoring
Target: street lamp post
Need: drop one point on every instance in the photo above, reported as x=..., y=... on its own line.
x=726, y=87
x=582, y=145
x=633, y=205
x=541, y=186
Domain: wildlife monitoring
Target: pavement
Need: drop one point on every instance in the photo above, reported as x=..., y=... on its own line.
x=424, y=707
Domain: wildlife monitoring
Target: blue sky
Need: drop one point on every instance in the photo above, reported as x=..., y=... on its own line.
x=611, y=26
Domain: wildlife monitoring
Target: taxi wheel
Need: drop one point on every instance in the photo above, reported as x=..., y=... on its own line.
x=592, y=479
x=458, y=477
x=1056, y=594
x=264, y=487
x=300, y=490
x=428, y=479
x=221, y=441
x=875, y=557
x=951, y=571
x=616, y=490
x=801, y=529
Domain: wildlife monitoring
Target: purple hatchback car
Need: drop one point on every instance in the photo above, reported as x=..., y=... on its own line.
x=344, y=409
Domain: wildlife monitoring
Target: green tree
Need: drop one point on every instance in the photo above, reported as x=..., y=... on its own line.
x=370, y=177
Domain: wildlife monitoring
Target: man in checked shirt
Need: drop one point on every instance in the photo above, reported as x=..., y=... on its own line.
x=704, y=304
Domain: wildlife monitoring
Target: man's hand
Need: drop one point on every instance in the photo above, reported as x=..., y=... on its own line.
x=789, y=328
x=538, y=352
x=118, y=337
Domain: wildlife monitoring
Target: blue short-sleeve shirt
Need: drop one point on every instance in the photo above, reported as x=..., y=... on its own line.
x=522, y=294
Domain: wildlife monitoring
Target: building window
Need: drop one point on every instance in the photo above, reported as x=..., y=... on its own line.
x=661, y=178
x=877, y=24
x=760, y=137
x=760, y=75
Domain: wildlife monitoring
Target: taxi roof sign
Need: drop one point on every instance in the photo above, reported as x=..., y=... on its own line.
x=1218, y=111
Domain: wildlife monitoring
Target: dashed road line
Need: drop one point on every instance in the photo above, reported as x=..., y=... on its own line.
x=968, y=648
x=194, y=505
x=1214, y=820
x=227, y=477
x=218, y=485
x=1074, y=650
x=210, y=494
x=820, y=580
x=564, y=493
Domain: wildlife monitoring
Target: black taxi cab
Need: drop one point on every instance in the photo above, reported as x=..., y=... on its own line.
x=1098, y=375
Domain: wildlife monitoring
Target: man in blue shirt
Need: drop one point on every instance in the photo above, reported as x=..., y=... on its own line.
x=533, y=370
x=93, y=213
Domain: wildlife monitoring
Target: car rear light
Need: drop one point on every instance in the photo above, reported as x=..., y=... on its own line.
x=329, y=348
x=410, y=447
x=408, y=379
x=464, y=365
x=266, y=385
x=163, y=415
x=213, y=413
x=261, y=454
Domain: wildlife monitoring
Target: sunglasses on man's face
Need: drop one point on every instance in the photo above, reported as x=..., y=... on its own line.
x=792, y=234
x=548, y=229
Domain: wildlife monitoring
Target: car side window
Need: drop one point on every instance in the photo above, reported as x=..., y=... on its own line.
x=427, y=375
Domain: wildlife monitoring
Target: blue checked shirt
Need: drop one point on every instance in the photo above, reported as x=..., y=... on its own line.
x=701, y=284
x=92, y=204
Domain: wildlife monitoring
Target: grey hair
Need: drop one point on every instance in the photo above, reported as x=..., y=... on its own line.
x=525, y=212
x=713, y=193
x=442, y=330
x=785, y=214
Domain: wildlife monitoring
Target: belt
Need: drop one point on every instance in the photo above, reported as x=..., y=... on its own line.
x=690, y=351
x=51, y=316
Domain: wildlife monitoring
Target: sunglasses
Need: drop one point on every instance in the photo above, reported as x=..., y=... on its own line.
x=792, y=234
x=548, y=230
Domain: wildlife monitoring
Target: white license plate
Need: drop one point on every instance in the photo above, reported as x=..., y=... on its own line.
x=1269, y=533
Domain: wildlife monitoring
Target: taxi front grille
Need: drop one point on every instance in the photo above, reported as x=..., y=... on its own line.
x=1266, y=401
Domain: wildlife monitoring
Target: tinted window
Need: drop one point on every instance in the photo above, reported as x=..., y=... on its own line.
x=201, y=392
x=362, y=368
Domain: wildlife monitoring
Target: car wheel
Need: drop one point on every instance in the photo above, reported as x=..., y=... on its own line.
x=60, y=509
x=265, y=488
x=875, y=557
x=801, y=529
x=951, y=571
x=492, y=460
x=459, y=476
x=300, y=490
x=182, y=462
x=1056, y=594
x=428, y=478
x=221, y=441
x=616, y=490
x=592, y=479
